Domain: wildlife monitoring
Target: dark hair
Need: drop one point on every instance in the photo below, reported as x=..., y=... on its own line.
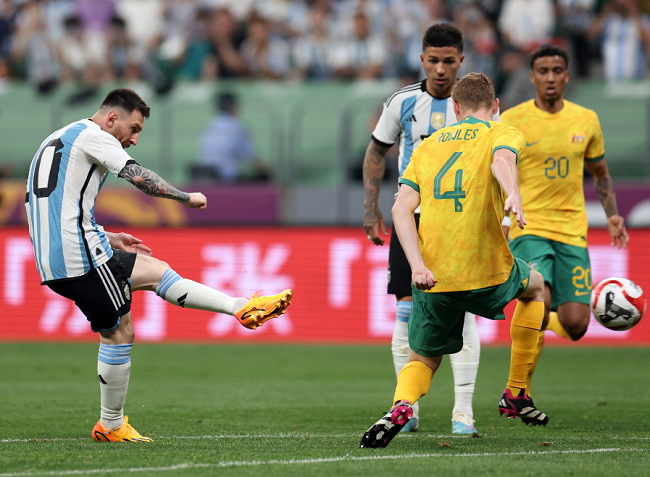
x=118, y=22
x=441, y=35
x=227, y=102
x=549, y=50
x=71, y=22
x=126, y=99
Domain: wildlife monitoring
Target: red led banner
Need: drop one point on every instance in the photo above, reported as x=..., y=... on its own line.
x=338, y=278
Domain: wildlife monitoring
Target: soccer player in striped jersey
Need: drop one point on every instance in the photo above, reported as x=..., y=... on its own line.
x=465, y=179
x=98, y=270
x=410, y=115
x=561, y=138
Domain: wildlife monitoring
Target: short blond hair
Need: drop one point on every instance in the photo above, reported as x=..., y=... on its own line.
x=474, y=91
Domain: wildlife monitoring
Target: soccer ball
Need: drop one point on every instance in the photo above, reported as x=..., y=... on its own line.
x=618, y=303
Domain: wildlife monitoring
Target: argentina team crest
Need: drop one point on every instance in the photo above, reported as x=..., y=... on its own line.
x=437, y=120
x=127, y=291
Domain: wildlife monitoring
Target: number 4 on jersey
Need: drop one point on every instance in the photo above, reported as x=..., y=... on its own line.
x=458, y=192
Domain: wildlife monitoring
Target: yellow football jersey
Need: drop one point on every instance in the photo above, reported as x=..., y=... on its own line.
x=551, y=169
x=460, y=233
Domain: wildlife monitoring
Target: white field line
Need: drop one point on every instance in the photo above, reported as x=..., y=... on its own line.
x=325, y=460
x=288, y=435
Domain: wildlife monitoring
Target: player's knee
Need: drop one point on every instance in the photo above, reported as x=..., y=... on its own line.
x=535, y=290
x=575, y=324
x=575, y=331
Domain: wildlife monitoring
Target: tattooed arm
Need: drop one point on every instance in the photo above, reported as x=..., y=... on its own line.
x=374, y=165
x=152, y=184
x=607, y=197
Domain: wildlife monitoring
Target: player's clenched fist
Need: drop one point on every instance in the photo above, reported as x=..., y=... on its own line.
x=197, y=201
x=423, y=279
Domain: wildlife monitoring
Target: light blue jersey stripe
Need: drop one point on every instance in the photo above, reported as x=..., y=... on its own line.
x=57, y=261
x=406, y=113
x=36, y=243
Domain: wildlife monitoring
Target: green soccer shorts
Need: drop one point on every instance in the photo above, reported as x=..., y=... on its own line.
x=436, y=323
x=566, y=268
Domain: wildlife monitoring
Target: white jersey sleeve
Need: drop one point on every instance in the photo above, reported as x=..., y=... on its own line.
x=105, y=150
x=389, y=126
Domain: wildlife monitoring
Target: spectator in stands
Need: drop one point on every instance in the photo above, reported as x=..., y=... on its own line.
x=575, y=18
x=179, y=16
x=80, y=61
x=266, y=55
x=95, y=18
x=54, y=14
x=377, y=13
x=226, y=39
x=361, y=57
x=198, y=61
x=411, y=19
x=226, y=150
x=7, y=19
x=33, y=48
x=526, y=24
x=625, y=37
x=144, y=23
x=515, y=85
x=120, y=52
x=479, y=37
x=311, y=51
x=95, y=15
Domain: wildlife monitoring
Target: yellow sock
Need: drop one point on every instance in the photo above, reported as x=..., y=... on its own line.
x=555, y=326
x=540, y=346
x=524, y=331
x=413, y=382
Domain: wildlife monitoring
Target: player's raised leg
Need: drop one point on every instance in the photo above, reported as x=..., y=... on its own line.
x=152, y=274
x=464, y=365
x=524, y=331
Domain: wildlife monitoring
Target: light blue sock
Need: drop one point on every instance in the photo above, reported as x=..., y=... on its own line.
x=114, y=371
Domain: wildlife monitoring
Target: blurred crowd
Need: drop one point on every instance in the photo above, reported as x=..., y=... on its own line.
x=90, y=42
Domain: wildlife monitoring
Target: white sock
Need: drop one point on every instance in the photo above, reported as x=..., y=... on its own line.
x=114, y=371
x=464, y=365
x=190, y=294
x=400, y=343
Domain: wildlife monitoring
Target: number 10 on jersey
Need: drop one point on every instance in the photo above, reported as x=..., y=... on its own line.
x=458, y=192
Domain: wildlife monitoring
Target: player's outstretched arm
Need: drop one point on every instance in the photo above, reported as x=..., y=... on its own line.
x=152, y=184
x=504, y=169
x=607, y=197
x=407, y=201
x=374, y=165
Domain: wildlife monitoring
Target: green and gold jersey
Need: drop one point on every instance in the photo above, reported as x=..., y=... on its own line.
x=460, y=233
x=551, y=169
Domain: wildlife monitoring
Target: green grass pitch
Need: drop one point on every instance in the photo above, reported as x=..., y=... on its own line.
x=298, y=410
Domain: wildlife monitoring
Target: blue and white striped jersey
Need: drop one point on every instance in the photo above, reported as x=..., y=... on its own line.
x=410, y=115
x=65, y=177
